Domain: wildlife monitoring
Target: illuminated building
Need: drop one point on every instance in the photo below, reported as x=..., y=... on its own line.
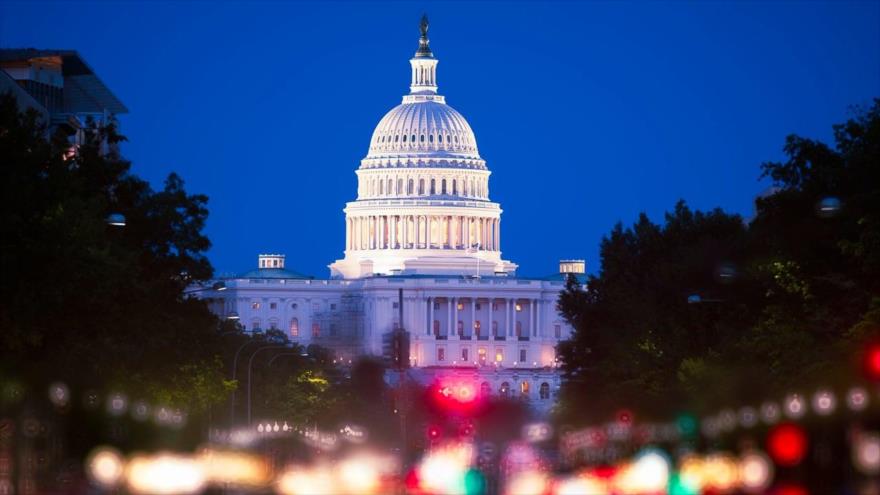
x=422, y=222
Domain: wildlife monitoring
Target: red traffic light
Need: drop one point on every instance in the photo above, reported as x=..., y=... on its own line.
x=787, y=444
x=872, y=362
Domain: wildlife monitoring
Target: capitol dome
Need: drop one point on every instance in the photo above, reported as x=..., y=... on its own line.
x=423, y=127
x=422, y=205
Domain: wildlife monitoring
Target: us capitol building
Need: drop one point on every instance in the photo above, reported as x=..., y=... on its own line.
x=422, y=222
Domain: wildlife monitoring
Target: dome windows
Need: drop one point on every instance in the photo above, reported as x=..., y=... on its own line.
x=404, y=138
x=423, y=138
x=440, y=138
x=395, y=138
x=430, y=138
x=413, y=138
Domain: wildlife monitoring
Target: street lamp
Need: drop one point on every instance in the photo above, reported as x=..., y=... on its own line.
x=250, y=372
x=116, y=220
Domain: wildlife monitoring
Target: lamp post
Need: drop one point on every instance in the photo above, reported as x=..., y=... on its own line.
x=250, y=372
x=234, y=369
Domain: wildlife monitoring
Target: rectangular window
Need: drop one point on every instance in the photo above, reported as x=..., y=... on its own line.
x=518, y=307
x=557, y=331
x=255, y=305
x=499, y=354
x=394, y=305
x=273, y=305
x=481, y=355
x=316, y=306
x=522, y=355
x=333, y=330
x=460, y=306
x=436, y=305
x=478, y=306
x=333, y=306
x=494, y=306
x=464, y=354
x=316, y=330
x=460, y=328
x=293, y=306
x=441, y=354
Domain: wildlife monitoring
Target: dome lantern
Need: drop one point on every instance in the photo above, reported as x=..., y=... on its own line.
x=424, y=65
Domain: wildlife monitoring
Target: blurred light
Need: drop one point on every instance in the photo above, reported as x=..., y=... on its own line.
x=165, y=474
x=474, y=482
x=687, y=425
x=91, y=399
x=789, y=489
x=828, y=207
x=648, y=474
x=442, y=471
x=755, y=472
x=727, y=420
x=769, y=413
x=690, y=477
x=301, y=481
x=795, y=407
x=726, y=272
x=59, y=394
x=117, y=404
x=720, y=472
x=105, y=466
x=163, y=416
x=824, y=402
x=434, y=432
x=580, y=485
x=866, y=453
x=748, y=417
x=116, y=219
x=625, y=417
x=872, y=362
x=233, y=468
x=359, y=475
x=527, y=483
x=787, y=444
x=140, y=411
x=857, y=399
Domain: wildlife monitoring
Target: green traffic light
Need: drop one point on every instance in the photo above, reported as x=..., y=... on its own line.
x=474, y=482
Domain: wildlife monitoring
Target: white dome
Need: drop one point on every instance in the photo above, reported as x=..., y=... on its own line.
x=423, y=128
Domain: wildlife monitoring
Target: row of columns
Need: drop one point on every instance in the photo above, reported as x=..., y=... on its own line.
x=422, y=232
x=534, y=318
x=424, y=187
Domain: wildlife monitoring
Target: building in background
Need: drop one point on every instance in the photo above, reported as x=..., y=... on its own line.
x=61, y=87
x=422, y=222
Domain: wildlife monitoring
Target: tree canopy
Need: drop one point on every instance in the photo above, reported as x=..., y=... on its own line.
x=708, y=310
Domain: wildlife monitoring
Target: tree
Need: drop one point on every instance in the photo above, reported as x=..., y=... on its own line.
x=777, y=297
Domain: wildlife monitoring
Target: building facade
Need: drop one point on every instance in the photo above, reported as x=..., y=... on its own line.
x=423, y=223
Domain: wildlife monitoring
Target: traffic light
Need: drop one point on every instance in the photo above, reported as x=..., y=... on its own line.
x=871, y=362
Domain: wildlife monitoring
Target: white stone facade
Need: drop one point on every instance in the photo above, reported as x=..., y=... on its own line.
x=422, y=222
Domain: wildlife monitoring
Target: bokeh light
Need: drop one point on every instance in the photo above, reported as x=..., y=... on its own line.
x=866, y=453
x=105, y=467
x=59, y=394
x=164, y=474
x=824, y=402
x=857, y=399
x=770, y=413
x=755, y=472
x=787, y=444
x=795, y=406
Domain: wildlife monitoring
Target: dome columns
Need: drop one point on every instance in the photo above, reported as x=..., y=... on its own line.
x=423, y=232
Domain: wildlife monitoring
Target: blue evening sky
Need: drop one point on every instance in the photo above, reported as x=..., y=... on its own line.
x=587, y=113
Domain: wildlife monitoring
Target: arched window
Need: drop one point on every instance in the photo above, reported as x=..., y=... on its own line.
x=436, y=327
x=504, y=391
x=440, y=138
x=294, y=328
x=422, y=138
x=443, y=186
x=381, y=187
x=454, y=187
x=430, y=138
x=524, y=388
x=316, y=329
x=396, y=137
x=413, y=138
x=456, y=139
x=433, y=190
x=544, y=391
x=464, y=188
x=389, y=187
x=404, y=138
x=256, y=326
x=409, y=187
x=421, y=187
x=273, y=324
x=399, y=186
x=485, y=389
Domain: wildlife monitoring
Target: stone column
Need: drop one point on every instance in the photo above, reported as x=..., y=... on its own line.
x=431, y=315
x=455, y=315
x=532, y=330
x=509, y=310
x=489, y=330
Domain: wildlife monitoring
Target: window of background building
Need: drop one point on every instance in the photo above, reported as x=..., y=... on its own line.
x=394, y=305
x=464, y=354
x=494, y=306
x=436, y=327
x=255, y=325
x=485, y=389
x=294, y=327
x=436, y=305
x=518, y=306
x=557, y=331
x=293, y=306
x=522, y=355
x=255, y=305
x=333, y=306
x=505, y=389
x=478, y=306
x=273, y=324
x=460, y=306
x=524, y=388
x=441, y=354
x=460, y=328
x=544, y=391
x=273, y=305
x=316, y=329
x=481, y=356
x=333, y=329
x=494, y=328
x=477, y=327
x=316, y=306
x=499, y=355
